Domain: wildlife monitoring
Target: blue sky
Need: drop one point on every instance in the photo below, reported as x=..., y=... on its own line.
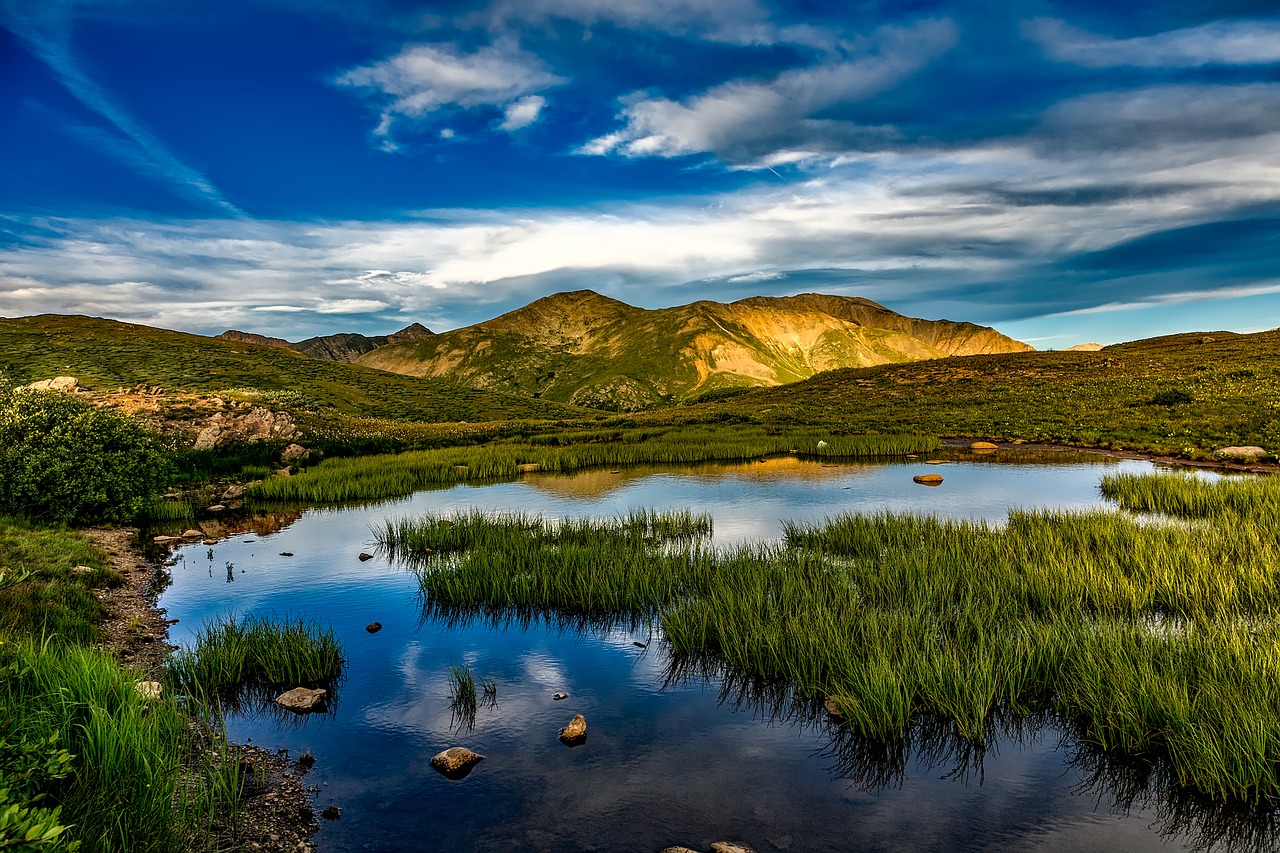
x=1062, y=171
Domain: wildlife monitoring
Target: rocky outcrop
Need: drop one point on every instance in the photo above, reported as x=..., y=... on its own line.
x=225, y=429
x=343, y=346
x=302, y=700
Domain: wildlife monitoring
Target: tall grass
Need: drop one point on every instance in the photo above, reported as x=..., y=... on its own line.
x=256, y=652
x=128, y=787
x=1151, y=638
x=401, y=474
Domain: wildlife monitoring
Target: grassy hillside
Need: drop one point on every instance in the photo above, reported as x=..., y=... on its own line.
x=1182, y=394
x=587, y=349
x=104, y=355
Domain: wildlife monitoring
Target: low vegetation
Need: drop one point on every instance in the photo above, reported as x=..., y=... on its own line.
x=401, y=474
x=1151, y=638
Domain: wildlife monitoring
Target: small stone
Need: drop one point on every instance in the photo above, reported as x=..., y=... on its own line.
x=373, y=627
x=286, y=553
x=639, y=644
x=1019, y=441
x=365, y=557
x=935, y=462
x=211, y=542
x=233, y=492
x=560, y=696
x=215, y=508
x=82, y=568
x=149, y=689
x=172, y=496
x=678, y=849
x=192, y=534
x=302, y=700
x=928, y=479
x=984, y=445
x=456, y=762
x=576, y=732
x=165, y=540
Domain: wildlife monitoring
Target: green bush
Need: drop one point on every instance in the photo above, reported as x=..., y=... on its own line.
x=62, y=460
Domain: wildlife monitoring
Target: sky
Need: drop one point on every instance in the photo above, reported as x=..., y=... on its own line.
x=1065, y=172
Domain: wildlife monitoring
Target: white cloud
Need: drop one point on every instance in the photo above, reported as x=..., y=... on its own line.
x=424, y=78
x=764, y=120
x=522, y=113
x=1217, y=43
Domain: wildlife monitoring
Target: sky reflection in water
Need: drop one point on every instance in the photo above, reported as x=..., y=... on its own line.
x=684, y=761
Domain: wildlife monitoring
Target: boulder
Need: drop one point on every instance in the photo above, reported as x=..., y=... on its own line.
x=149, y=689
x=455, y=762
x=233, y=493
x=67, y=384
x=983, y=445
x=1239, y=454
x=576, y=732
x=294, y=452
x=193, y=534
x=302, y=700
x=928, y=479
x=729, y=847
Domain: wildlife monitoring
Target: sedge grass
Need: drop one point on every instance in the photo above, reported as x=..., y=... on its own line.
x=394, y=475
x=1150, y=638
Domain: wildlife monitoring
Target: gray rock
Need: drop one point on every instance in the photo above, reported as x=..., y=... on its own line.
x=302, y=700
x=456, y=762
x=193, y=534
x=294, y=452
x=1239, y=454
x=233, y=493
x=729, y=847
x=67, y=384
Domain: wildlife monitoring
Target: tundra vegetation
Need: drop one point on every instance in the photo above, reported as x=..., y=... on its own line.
x=1153, y=636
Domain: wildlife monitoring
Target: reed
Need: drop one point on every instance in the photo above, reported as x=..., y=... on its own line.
x=394, y=475
x=256, y=652
x=1149, y=636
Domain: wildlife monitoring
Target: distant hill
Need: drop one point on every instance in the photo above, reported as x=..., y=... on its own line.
x=105, y=354
x=590, y=350
x=344, y=346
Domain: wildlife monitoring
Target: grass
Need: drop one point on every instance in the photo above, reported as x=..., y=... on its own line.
x=54, y=600
x=1181, y=395
x=1149, y=638
x=124, y=785
x=256, y=653
x=372, y=477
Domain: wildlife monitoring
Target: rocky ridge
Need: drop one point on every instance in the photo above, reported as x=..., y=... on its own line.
x=344, y=346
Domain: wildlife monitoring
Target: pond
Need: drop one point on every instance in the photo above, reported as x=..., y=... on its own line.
x=671, y=757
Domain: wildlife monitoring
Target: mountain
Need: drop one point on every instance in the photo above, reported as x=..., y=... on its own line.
x=344, y=346
x=590, y=350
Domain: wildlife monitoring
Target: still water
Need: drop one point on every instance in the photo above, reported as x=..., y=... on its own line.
x=669, y=759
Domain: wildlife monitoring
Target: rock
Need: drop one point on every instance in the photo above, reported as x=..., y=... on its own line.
x=233, y=493
x=215, y=508
x=1240, y=454
x=373, y=627
x=331, y=813
x=729, y=847
x=210, y=542
x=293, y=453
x=286, y=553
x=258, y=424
x=821, y=445
x=984, y=445
x=935, y=462
x=365, y=557
x=557, y=697
x=678, y=849
x=1019, y=441
x=639, y=644
x=66, y=384
x=928, y=479
x=82, y=568
x=302, y=700
x=456, y=762
x=165, y=540
x=576, y=732
x=832, y=706
x=149, y=689
x=193, y=534
x=172, y=496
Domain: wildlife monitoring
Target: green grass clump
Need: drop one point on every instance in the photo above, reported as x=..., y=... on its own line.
x=1155, y=637
x=119, y=777
x=53, y=600
x=373, y=477
x=256, y=653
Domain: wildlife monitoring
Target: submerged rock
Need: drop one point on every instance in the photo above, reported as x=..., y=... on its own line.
x=302, y=700
x=928, y=479
x=455, y=762
x=373, y=627
x=576, y=732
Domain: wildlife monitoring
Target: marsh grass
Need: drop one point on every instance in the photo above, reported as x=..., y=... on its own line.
x=404, y=473
x=1155, y=639
x=127, y=787
x=256, y=653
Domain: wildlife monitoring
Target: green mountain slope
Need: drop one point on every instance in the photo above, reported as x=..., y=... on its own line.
x=105, y=354
x=587, y=349
x=1182, y=395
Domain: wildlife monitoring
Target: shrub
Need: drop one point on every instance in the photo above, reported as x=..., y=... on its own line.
x=63, y=460
x=1171, y=397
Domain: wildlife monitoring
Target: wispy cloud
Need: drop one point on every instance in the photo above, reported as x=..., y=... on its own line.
x=44, y=27
x=522, y=113
x=424, y=78
x=750, y=121
x=1218, y=43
